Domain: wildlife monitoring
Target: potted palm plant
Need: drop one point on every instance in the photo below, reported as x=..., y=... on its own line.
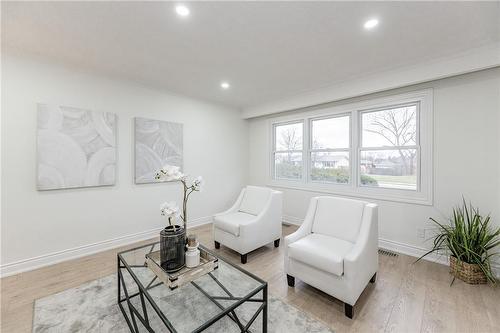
x=470, y=241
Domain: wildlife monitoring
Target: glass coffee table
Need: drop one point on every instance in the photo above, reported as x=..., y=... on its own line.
x=229, y=299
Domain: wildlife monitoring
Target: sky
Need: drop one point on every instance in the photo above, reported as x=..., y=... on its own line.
x=334, y=132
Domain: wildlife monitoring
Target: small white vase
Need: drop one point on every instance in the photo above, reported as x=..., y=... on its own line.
x=192, y=256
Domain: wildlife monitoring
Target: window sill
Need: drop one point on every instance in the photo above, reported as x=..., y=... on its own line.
x=392, y=195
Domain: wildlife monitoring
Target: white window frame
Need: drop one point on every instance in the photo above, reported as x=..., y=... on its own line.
x=424, y=193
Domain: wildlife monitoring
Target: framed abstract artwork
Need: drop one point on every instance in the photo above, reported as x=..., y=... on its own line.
x=75, y=147
x=157, y=143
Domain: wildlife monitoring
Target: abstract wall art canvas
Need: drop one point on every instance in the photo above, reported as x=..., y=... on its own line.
x=157, y=143
x=75, y=147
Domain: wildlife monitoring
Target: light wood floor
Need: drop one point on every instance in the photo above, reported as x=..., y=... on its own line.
x=406, y=297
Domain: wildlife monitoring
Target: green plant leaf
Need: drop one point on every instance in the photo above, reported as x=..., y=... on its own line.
x=468, y=237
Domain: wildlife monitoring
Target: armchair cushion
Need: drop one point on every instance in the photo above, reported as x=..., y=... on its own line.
x=338, y=217
x=254, y=200
x=231, y=222
x=322, y=252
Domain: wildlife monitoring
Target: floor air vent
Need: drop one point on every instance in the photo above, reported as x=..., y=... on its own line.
x=385, y=252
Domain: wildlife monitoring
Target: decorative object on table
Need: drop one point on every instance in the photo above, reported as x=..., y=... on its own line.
x=191, y=240
x=192, y=253
x=75, y=147
x=469, y=240
x=172, y=240
x=206, y=264
x=173, y=237
x=157, y=143
x=170, y=173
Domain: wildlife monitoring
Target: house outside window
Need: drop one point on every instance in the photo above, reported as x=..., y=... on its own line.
x=330, y=149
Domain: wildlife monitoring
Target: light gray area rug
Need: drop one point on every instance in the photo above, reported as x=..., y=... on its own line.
x=92, y=307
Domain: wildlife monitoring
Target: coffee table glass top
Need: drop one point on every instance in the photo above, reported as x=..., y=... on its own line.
x=225, y=300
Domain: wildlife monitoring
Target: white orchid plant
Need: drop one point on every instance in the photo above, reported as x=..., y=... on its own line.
x=170, y=210
x=170, y=173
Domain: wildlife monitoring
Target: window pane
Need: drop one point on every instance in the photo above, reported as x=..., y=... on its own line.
x=391, y=127
x=330, y=167
x=288, y=165
x=389, y=168
x=330, y=133
x=288, y=137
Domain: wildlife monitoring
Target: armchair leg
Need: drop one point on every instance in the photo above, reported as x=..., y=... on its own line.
x=243, y=258
x=374, y=278
x=277, y=243
x=291, y=280
x=348, y=310
x=217, y=245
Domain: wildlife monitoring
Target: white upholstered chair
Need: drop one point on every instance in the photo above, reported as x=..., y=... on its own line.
x=335, y=249
x=253, y=221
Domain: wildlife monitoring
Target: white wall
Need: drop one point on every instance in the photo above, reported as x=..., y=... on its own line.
x=39, y=223
x=55, y=225
x=466, y=158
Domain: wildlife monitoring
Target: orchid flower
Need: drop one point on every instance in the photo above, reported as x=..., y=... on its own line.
x=170, y=210
x=198, y=184
x=170, y=173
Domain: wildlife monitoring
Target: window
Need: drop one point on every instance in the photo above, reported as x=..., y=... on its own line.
x=389, y=148
x=329, y=155
x=377, y=149
x=287, y=152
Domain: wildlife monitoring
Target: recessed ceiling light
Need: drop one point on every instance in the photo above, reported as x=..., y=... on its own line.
x=182, y=10
x=224, y=85
x=370, y=24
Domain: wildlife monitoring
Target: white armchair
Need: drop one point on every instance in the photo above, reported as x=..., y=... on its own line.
x=335, y=249
x=253, y=221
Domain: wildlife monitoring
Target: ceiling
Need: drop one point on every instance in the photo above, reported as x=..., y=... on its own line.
x=266, y=50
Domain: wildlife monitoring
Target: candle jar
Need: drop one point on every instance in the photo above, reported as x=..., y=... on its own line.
x=192, y=256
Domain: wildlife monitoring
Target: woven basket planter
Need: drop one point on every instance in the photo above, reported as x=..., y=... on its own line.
x=469, y=273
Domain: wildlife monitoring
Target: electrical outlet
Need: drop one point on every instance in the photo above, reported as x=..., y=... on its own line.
x=421, y=233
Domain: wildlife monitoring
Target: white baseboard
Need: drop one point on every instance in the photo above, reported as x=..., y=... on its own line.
x=85, y=250
x=417, y=252
x=411, y=250
x=287, y=219
x=200, y=221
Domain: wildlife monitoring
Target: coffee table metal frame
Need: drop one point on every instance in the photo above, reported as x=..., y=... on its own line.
x=143, y=317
